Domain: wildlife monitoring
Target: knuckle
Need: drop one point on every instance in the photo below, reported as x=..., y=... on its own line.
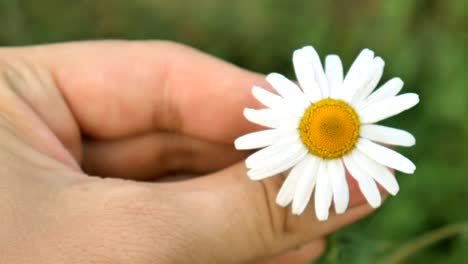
x=27, y=90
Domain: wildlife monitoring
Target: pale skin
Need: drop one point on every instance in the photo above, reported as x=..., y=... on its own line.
x=84, y=125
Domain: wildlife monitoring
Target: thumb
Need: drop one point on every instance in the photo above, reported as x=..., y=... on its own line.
x=240, y=221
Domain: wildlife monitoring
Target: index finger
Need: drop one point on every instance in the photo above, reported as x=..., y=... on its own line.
x=117, y=89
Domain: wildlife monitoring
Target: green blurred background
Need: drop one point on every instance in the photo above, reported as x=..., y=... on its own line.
x=423, y=42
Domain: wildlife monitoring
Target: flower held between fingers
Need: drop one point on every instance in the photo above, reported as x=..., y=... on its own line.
x=326, y=126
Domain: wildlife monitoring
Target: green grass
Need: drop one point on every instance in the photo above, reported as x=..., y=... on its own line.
x=425, y=42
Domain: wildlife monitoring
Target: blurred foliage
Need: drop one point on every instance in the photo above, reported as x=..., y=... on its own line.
x=423, y=42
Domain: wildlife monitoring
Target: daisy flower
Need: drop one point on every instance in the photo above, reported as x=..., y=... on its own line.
x=325, y=127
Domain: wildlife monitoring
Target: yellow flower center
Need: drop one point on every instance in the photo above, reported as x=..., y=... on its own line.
x=329, y=128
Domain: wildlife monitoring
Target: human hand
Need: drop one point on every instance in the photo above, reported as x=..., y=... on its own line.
x=134, y=111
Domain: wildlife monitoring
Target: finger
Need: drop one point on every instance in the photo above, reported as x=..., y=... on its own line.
x=152, y=155
x=302, y=255
x=117, y=89
x=244, y=213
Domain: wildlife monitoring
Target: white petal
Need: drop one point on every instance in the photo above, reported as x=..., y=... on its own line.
x=381, y=110
x=354, y=75
x=380, y=173
x=271, y=118
x=288, y=90
x=370, y=81
x=362, y=60
x=305, y=77
x=376, y=74
x=267, y=98
x=334, y=72
x=339, y=185
x=319, y=73
x=279, y=163
x=386, y=156
x=323, y=192
x=387, y=135
x=277, y=103
x=366, y=184
x=283, y=147
x=309, y=73
x=263, y=138
x=305, y=185
x=285, y=87
x=387, y=90
x=286, y=193
x=263, y=117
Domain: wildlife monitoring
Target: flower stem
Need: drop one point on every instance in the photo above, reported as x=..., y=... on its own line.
x=425, y=240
